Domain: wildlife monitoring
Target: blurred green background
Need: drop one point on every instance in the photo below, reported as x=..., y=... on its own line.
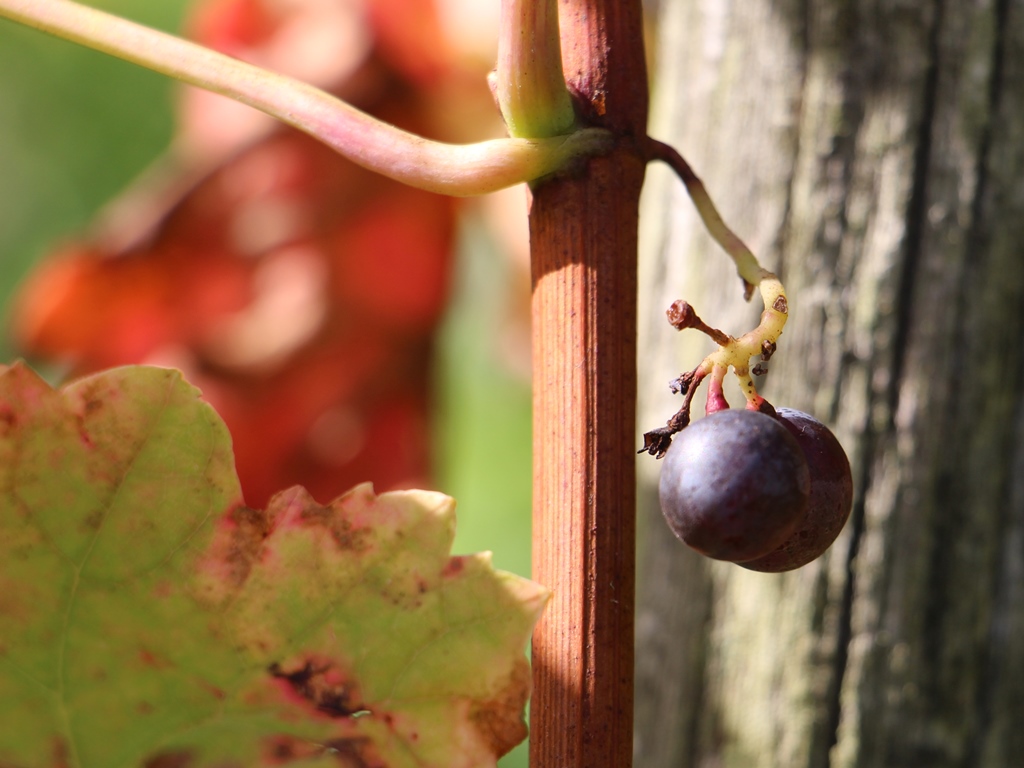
x=77, y=126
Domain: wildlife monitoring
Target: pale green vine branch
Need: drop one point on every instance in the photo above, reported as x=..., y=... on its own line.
x=459, y=170
x=750, y=271
x=530, y=84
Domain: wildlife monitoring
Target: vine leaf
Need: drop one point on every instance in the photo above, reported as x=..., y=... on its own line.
x=149, y=618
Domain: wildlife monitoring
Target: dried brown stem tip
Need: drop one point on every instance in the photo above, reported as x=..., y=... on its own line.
x=657, y=441
x=681, y=316
x=681, y=384
x=767, y=350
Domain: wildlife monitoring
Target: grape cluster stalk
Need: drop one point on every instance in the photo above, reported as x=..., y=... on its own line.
x=767, y=489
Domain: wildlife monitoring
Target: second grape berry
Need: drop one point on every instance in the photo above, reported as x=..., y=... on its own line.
x=768, y=492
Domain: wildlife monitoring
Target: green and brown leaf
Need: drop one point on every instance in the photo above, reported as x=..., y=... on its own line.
x=149, y=618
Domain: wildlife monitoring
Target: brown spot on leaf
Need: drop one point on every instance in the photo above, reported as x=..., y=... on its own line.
x=454, y=566
x=180, y=758
x=218, y=693
x=60, y=753
x=83, y=430
x=248, y=528
x=94, y=520
x=345, y=535
x=163, y=589
x=500, y=721
x=355, y=753
x=321, y=684
x=149, y=659
x=282, y=748
x=8, y=418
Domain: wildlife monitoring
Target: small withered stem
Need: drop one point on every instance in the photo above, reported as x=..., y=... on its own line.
x=681, y=315
x=657, y=441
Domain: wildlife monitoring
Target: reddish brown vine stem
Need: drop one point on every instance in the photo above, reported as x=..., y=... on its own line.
x=583, y=234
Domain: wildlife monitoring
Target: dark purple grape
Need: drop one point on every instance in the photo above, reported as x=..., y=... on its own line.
x=830, y=501
x=734, y=485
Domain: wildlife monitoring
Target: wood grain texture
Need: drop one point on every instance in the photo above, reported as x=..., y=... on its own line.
x=872, y=153
x=583, y=231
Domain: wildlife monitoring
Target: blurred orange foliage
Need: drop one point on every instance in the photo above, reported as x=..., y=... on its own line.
x=298, y=291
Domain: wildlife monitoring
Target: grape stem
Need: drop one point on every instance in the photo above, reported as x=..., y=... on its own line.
x=732, y=352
